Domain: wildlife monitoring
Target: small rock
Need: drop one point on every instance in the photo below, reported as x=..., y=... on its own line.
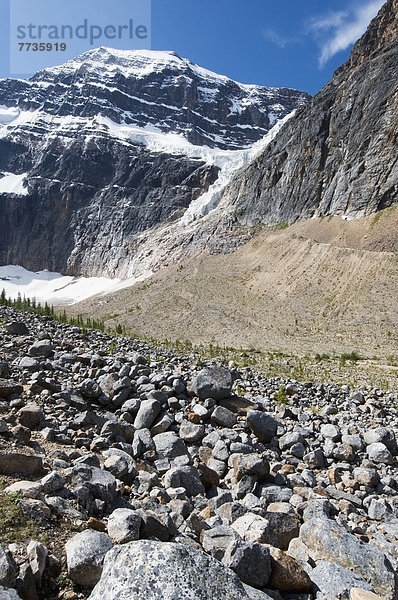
x=124, y=525
x=27, y=489
x=360, y=594
x=186, y=477
x=8, y=387
x=21, y=434
x=169, y=445
x=223, y=417
x=286, y=573
x=250, y=464
x=85, y=554
x=367, y=477
x=251, y=562
x=37, y=555
x=379, y=453
x=215, y=541
x=7, y=571
x=147, y=413
x=52, y=482
x=191, y=433
x=252, y=528
x=30, y=415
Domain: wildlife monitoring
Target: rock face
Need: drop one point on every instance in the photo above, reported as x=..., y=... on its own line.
x=107, y=193
x=155, y=571
x=337, y=155
x=108, y=170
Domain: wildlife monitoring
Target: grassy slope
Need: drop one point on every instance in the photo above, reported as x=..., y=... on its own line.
x=324, y=285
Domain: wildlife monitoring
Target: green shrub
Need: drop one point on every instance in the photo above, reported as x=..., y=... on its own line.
x=281, y=396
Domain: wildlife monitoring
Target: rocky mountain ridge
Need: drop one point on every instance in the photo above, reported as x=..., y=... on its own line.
x=338, y=155
x=222, y=482
x=113, y=144
x=150, y=89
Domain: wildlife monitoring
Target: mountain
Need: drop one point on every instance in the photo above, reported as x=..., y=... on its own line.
x=337, y=155
x=100, y=150
x=300, y=251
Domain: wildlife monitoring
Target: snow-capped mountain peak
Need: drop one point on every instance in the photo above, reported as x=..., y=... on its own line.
x=161, y=90
x=108, y=61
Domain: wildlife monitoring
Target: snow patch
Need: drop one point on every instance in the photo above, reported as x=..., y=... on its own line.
x=13, y=184
x=8, y=114
x=171, y=143
x=57, y=289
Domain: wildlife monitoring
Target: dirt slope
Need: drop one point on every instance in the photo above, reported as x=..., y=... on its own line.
x=324, y=285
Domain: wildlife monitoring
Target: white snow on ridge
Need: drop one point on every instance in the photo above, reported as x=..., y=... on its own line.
x=136, y=63
x=172, y=143
x=13, y=184
x=108, y=61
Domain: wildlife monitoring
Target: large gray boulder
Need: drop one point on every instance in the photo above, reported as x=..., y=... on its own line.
x=124, y=525
x=325, y=540
x=333, y=581
x=8, y=594
x=213, y=382
x=186, y=477
x=251, y=562
x=85, y=554
x=149, y=570
x=262, y=425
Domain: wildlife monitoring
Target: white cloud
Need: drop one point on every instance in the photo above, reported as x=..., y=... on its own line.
x=271, y=36
x=336, y=31
x=332, y=19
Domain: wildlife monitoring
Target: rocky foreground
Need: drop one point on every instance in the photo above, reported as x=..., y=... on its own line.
x=152, y=476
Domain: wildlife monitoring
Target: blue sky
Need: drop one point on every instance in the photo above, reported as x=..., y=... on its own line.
x=269, y=42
